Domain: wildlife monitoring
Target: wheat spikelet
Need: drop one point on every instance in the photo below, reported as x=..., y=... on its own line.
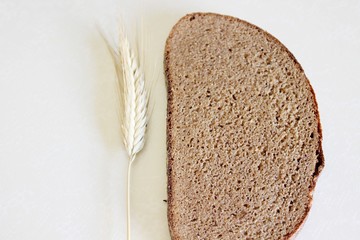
x=134, y=98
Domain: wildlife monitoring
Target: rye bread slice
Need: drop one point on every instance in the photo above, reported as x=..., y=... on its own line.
x=243, y=132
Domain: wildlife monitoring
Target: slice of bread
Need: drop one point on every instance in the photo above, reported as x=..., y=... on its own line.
x=243, y=132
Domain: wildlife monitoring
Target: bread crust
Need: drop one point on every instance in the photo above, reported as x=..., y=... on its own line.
x=320, y=161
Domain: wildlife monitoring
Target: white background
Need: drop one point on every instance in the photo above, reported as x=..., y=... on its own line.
x=62, y=165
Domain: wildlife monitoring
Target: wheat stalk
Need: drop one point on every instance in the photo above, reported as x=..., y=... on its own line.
x=134, y=117
x=133, y=104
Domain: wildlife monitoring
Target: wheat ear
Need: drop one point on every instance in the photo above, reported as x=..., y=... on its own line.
x=133, y=104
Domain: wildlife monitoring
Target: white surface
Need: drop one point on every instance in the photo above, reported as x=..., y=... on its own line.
x=62, y=167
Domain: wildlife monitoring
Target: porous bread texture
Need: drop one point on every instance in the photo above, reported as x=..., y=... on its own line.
x=243, y=132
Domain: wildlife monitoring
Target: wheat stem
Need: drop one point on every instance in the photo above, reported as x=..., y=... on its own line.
x=128, y=199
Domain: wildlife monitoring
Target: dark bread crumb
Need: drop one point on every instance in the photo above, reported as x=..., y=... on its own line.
x=243, y=132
